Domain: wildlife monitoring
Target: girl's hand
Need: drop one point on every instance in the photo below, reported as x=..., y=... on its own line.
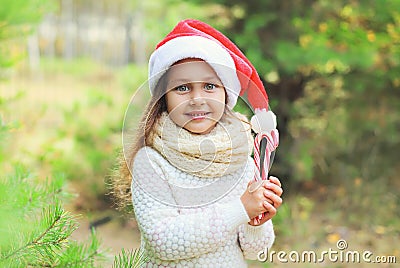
x=265, y=200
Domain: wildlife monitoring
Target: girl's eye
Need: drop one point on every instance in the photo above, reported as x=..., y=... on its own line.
x=210, y=86
x=182, y=88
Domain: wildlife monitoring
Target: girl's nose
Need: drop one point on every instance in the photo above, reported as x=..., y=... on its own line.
x=196, y=96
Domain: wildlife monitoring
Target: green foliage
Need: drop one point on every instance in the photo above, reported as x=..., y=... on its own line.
x=349, y=47
x=21, y=12
x=81, y=255
x=130, y=259
x=17, y=19
x=331, y=69
x=319, y=118
x=35, y=229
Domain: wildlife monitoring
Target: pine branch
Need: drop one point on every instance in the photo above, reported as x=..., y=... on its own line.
x=78, y=255
x=58, y=227
x=130, y=259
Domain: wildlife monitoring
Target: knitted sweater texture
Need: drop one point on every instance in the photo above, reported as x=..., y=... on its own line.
x=190, y=221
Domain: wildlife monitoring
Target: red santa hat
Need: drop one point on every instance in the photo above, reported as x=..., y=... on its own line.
x=195, y=39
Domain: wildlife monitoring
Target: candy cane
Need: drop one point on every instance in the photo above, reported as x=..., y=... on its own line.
x=272, y=143
x=263, y=123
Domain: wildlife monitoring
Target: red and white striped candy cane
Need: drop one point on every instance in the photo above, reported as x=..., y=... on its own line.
x=272, y=143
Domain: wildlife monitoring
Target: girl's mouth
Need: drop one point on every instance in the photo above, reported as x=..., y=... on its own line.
x=197, y=115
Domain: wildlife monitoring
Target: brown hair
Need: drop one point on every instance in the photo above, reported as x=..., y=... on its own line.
x=121, y=176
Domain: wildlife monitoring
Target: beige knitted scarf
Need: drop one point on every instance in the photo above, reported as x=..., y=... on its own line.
x=222, y=151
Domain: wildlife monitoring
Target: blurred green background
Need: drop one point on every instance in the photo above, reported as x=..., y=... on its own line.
x=68, y=69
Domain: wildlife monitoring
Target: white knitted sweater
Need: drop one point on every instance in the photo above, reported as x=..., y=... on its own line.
x=178, y=230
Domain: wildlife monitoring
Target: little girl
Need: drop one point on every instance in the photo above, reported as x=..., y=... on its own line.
x=190, y=167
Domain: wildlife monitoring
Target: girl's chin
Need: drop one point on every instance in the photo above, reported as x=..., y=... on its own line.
x=199, y=129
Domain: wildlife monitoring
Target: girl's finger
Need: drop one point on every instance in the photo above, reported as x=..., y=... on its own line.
x=271, y=210
x=275, y=180
x=276, y=200
x=274, y=188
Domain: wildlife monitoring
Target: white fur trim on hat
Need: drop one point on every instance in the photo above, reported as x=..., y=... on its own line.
x=196, y=47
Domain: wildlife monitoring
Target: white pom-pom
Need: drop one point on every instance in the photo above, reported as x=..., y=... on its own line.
x=263, y=120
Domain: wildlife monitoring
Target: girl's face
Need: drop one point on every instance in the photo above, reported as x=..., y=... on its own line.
x=195, y=96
